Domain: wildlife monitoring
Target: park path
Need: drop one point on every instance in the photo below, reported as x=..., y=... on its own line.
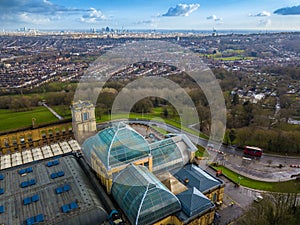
x=53, y=112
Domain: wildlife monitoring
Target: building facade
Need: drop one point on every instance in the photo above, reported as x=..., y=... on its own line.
x=35, y=137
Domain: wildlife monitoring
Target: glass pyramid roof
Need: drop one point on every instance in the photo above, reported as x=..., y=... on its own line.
x=142, y=197
x=116, y=145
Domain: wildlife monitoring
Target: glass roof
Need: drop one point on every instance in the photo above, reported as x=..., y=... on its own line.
x=142, y=197
x=116, y=145
x=166, y=156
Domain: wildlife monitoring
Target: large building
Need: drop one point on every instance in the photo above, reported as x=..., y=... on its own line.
x=113, y=149
x=153, y=179
x=150, y=177
x=49, y=191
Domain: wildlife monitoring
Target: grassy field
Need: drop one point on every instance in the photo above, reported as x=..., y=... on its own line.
x=291, y=185
x=63, y=111
x=160, y=130
x=200, y=151
x=235, y=55
x=12, y=120
x=233, y=58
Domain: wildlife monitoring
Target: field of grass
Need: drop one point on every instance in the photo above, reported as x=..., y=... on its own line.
x=228, y=55
x=236, y=51
x=12, y=120
x=160, y=130
x=259, y=185
x=63, y=111
x=233, y=58
x=200, y=151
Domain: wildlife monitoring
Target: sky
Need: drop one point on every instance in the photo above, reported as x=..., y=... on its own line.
x=151, y=14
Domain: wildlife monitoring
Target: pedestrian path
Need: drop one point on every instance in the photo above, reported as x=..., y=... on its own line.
x=53, y=112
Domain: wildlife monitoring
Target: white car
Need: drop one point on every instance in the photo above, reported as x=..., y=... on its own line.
x=210, y=146
x=258, y=198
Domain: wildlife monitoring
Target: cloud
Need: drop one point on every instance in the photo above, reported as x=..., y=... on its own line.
x=261, y=14
x=33, y=19
x=182, y=10
x=151, y=22
x=33, y=6
x=265, y=23
x=43, y=12
x=144, y=22
x=214, y=17
x=93, y=16
x=295, y=10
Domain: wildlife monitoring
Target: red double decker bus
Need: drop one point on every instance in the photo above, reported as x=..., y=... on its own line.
x=253, y=151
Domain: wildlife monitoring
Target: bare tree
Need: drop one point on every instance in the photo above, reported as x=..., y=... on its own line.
x=274, y=209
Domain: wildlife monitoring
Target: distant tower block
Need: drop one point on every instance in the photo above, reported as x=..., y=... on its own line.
x=83, y=120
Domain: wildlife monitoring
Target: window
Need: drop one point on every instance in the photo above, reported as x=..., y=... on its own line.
x=14, y=141
x=22, y=140
x=6, y=143
x=29, y=138
x=85, y=116
x=215, y=197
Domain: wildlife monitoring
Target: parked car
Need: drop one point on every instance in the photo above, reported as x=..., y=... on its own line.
x=258, y=198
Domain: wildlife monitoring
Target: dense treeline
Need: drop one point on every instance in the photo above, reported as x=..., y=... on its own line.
x=292, y=71
x=274, y=209
x=19, y=103
x=26, y=102
x=273, y=140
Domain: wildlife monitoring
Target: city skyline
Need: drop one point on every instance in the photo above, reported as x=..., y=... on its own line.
x=189, y=15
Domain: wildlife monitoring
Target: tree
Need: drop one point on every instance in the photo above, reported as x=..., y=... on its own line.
x=243, y=135
x=232, y=135
x=235, y=99
x=274, y=209
x=166, y=112
x=143, y=106
x=204, y=117
x=248, y=108
x=107, y=97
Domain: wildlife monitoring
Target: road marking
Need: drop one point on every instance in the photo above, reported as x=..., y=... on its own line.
x=233, y=201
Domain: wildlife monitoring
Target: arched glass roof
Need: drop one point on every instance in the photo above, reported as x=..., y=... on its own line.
x=116, y=145
x=142, y=197
x=166, y=156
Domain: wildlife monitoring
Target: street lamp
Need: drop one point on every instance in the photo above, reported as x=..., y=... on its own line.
x=239, y=179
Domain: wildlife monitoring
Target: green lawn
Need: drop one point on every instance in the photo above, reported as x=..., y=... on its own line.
x=63, y=111
x=291, y=185
x=234, y=58
x=12, y=120
x=160, y=130
x=200, y=152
